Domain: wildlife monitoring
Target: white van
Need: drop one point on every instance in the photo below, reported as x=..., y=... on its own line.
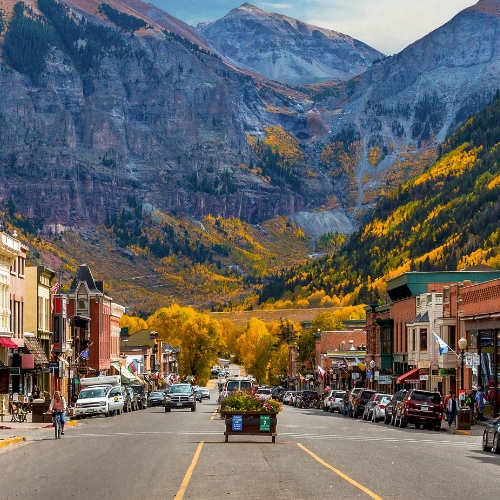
x=103, y=399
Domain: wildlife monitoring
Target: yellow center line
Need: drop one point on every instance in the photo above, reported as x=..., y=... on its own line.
x=341, y=474
x=213, y=414
x=189, y=473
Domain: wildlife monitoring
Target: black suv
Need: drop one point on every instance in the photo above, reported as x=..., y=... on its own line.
x=390, y=409
x=359, y=402
x=420, y=408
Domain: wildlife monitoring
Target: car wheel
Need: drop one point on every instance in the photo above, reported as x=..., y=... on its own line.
x=417, y=426
x=496, y=444
x=485, y=441
x=374, y=418
x=193, y=408
x=403, y=423
x=387, y=420
x=167, y=410
x=437, y=426
x=393, y=419
x=396, y=421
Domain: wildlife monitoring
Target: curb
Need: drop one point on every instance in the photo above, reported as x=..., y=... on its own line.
x=11, y=441
x=463, y=433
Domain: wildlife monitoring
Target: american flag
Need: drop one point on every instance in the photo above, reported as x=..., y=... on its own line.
x=55, y=287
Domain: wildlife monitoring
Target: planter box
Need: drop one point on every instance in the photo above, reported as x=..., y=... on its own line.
x=250, y=424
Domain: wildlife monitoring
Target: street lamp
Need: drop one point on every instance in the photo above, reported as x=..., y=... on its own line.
x=462, y=345
x=372, y=366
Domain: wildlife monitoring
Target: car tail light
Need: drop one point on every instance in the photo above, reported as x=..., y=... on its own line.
x=441, y=407
x=359, y=401
x=381, y=406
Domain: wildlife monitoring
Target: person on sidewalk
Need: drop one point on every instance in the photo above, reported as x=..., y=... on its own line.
x=470, y=402
x=58, y=403
x=346, y=399
x=446, y=399
x=480, y=403
x=452, y=409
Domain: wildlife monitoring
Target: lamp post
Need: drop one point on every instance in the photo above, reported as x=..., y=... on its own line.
x=372, y=366
x=462, y=345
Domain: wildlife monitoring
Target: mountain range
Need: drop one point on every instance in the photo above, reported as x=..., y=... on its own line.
x=108, y=107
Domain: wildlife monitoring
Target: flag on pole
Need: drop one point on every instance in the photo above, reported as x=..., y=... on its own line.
x=443, y=346
x=85, y=354
x=55, y=287
x=321, y=371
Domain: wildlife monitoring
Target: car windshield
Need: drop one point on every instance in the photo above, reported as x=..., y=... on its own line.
x=92, y=393
x=264, y=391
x=137, y=389
x=426, y=397
x=181, y=388
x=365, y=396
x=339, y=394
x=385, y=399
x=156, y=394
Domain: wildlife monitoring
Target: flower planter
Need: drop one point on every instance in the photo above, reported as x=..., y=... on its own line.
x=250, y=424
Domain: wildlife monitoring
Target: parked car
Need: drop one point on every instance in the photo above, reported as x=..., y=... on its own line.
x=390, y=409
x=142, y=396
x=99, y=400
x=371, y=403
x=156, y=398
x=328, y=402
x=359, y=402
x=420, y=408
x=338, y=402
x=491, y=436
x=287, y=397
x=296, y=397
x=378, y=412
x=180, y=396
x=214, y=373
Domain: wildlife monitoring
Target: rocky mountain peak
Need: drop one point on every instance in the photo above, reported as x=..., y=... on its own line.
x=285, y=49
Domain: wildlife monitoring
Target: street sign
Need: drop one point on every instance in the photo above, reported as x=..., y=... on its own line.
x=265, y=423
x=237, y=423
x=15, y=370
x=54, y=366
x=450, y=372
x=424, y=377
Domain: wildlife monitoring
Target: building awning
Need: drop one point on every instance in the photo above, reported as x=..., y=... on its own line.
x=125, y=375
x=7, y=343
x=409, y=377
x=33, y=345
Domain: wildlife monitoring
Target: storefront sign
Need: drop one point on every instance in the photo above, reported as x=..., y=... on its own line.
x=237, y=423
x=265, y=423
x=384, y=380
x=451, y=372
x=15, y=370
x=424, y=364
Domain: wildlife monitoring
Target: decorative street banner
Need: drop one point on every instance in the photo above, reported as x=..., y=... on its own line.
x=4, y=381
x=265, y=423
x=237, y=423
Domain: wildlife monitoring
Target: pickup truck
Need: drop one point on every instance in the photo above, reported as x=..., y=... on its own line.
x=180, y=396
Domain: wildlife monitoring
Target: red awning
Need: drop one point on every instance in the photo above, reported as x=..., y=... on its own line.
x=7, y=343
x=411, y=375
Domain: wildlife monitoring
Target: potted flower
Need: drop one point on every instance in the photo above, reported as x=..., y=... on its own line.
x=246, y=414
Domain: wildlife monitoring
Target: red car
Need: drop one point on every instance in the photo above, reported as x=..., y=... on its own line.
x=422, y=408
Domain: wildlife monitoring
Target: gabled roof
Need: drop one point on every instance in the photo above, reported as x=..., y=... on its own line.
x=421, y=318
x=84, y=274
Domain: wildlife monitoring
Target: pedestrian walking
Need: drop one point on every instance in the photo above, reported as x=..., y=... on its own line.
x=480, y=403
x=445, y=404
x=452, y=409
x=347, y=403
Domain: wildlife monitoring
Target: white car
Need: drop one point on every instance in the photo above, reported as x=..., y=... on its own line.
x=264, y=394
x=378, y=412
x=99, y=400
x=338, y=402
x=328, y=401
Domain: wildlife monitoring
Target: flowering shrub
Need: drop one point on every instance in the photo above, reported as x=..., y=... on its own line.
x=246, y=402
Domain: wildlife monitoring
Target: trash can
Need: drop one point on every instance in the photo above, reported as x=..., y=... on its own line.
x=37, y=410
x=463, y=419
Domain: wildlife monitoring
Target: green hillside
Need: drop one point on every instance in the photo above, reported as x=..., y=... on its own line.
x=444, y=219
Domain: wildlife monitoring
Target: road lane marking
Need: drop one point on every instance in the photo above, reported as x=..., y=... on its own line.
x=213, y=415
x=189, y=473
x=341, y=474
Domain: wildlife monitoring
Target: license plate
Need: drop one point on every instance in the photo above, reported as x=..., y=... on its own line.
x=179, y=404
x=424, y=408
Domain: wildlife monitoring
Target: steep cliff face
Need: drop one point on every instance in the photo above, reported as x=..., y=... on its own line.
x=284, y=49
x=161, y=116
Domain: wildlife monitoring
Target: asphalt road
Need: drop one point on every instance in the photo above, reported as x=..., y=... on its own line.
x=151, y=454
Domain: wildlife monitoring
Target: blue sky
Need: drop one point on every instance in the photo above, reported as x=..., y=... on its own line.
x=387, y=25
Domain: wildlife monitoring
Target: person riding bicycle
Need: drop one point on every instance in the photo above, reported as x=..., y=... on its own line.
x=58, y=404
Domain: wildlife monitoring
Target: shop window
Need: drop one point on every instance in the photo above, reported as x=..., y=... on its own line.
x=452, y=337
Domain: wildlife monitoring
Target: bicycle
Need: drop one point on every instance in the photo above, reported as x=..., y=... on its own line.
x=18, y=412
x=57, y=424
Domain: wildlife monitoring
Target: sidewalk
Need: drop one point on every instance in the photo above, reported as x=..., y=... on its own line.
x=475, y=430
x=12, y=433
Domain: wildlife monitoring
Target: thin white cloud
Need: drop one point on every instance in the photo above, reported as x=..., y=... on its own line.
x=273, y=7
x=387, y=25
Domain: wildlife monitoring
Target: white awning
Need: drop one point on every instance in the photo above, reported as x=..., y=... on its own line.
x=126, y=376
